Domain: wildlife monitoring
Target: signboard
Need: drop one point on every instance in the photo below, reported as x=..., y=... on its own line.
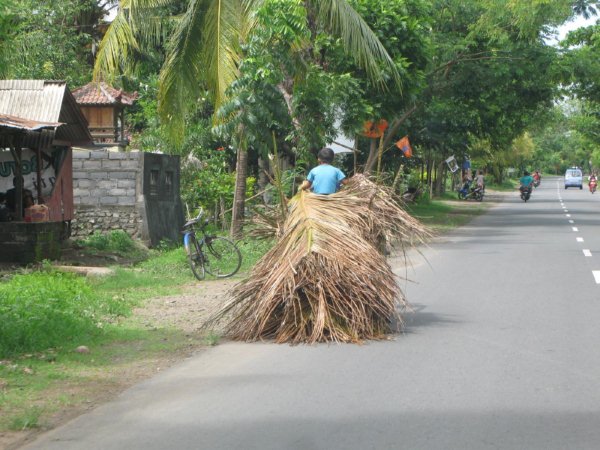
x=452, y=164
x=7, y=172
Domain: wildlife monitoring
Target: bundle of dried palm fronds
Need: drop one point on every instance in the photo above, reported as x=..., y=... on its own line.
x=325, y=280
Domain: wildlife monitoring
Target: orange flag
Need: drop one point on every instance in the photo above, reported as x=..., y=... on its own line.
x=404, y=145
x=374, y=129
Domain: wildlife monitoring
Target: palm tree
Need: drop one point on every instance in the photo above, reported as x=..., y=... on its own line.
x=205, y=48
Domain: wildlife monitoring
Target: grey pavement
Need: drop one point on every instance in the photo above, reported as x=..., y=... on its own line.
x=500, y=352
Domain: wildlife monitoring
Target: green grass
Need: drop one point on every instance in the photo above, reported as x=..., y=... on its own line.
x=35, y=386
x=509, y=184
x=28, y=419
x=47, y=309
x=117, y=241
x=444, y=215
x=252, y=250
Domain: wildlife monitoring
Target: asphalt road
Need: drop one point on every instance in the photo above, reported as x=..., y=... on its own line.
x=501, y=352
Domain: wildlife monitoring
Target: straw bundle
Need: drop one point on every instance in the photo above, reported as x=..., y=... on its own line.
x=324, y=280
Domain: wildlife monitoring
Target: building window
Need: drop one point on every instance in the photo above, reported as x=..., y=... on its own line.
x=168, y=183
x=154, y=183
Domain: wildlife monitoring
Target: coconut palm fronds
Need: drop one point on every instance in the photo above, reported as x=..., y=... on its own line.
x=389, y=220
x=324, y=280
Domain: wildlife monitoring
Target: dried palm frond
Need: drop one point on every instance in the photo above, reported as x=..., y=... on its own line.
x=324, y=280
x=266, y=223
x=390, y=221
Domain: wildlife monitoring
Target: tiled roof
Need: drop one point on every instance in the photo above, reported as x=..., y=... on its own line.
x=102, y=94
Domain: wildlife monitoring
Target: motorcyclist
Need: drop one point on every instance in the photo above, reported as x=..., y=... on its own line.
x=526, y=182
x=537, y=178
x=592, y=182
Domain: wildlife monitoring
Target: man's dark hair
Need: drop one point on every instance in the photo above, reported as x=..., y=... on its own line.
x=525, y=173
x=326, y=155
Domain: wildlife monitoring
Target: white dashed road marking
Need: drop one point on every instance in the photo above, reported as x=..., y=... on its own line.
x=586, y=252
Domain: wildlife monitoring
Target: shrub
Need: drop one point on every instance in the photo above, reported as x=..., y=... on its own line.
x=117, y=241
x=43, y=310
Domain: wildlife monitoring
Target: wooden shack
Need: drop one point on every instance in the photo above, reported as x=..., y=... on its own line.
x=39, y=123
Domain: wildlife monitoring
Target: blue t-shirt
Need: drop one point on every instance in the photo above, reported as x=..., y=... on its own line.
x=325, y=178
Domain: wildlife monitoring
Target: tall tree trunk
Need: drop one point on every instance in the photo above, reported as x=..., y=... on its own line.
x=263, y=179
x=372, y=159
x=440, y=178
x=239, y=195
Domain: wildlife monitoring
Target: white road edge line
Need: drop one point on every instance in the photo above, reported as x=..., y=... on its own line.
x=575, y=228
x=596, y=276
x=568, y=215
x=586, y=252
x=571, y=221
x=579, y=239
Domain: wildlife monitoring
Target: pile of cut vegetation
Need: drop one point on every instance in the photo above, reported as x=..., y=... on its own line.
x=325, y=279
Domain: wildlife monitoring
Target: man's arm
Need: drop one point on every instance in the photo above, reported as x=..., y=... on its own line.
x=305, y=185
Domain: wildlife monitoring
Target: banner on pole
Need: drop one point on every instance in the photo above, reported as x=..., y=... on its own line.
x=404, y=145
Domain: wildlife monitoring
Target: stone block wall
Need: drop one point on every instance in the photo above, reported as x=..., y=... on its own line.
x=25, y=243
x=107, y=192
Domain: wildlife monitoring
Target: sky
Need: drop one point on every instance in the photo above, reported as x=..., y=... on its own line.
x=574, y=24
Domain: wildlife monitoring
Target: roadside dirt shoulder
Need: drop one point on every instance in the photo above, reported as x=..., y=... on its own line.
x=185, y=312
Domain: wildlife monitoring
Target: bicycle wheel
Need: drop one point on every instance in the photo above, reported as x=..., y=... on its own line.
x=195, y=257
x=222, y=258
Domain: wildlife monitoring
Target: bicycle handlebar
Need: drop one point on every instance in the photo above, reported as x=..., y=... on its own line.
x=195, y=220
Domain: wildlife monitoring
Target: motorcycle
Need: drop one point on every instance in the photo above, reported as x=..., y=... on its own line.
x=467, y=192
x=536, y=182
x=593, y=184
x=525, y=192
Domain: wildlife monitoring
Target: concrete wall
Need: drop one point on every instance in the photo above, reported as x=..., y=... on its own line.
x=114, y=191
x=107, y=192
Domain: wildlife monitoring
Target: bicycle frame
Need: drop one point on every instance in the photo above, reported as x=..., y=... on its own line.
x=215, y=255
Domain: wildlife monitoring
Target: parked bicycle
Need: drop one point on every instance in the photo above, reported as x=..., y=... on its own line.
x=215, y=255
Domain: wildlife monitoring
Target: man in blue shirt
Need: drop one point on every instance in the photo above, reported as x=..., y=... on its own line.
x=324, y=179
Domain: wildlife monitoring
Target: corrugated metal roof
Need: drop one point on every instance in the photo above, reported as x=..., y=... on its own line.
x=19, y=123
x=45, y=101
x=102, y=94
x=32, y=99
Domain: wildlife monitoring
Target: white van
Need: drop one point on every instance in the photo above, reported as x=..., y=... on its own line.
x=573, y=178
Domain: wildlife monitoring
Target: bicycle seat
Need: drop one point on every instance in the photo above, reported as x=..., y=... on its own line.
x=190, y=222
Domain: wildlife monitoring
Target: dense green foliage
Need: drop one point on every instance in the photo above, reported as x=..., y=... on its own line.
x=477, y=78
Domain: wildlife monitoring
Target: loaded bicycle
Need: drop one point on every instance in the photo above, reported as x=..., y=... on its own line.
x=212, y=254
